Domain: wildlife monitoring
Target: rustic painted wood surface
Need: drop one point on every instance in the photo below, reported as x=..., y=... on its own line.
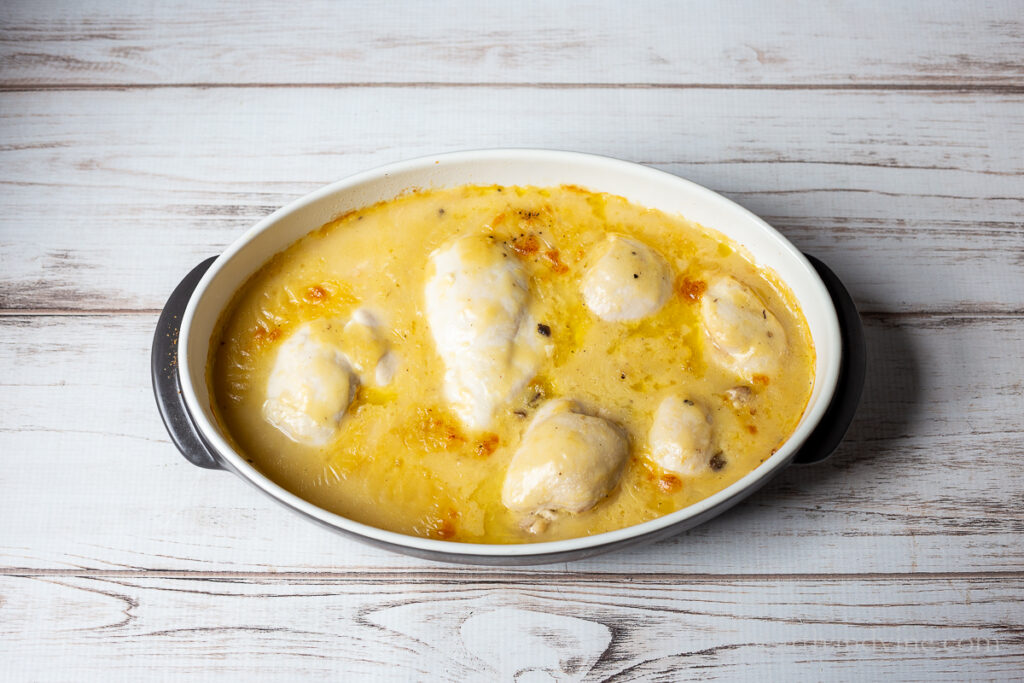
x=137, y=140
x=805, y=43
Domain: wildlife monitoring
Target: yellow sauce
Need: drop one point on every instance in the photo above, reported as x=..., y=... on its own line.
x=402, y=460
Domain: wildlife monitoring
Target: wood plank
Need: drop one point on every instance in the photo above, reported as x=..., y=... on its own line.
x=883, y=138
x=927, y=480
x=739, y=43
x=397, y=628
x=110, y=197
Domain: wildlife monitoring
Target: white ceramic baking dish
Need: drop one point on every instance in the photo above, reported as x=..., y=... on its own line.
x=180, y=351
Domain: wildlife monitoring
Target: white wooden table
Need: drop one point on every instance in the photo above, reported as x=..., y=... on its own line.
x=138, y=138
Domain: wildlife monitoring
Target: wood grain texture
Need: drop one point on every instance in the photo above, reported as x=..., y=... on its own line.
x=914, y=199
x=137, y=139
x=462, y=628
x=738, y=43
x=927, y=480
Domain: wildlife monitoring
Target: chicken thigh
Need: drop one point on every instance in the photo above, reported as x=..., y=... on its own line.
x=566, y=462
x=745, y=337
x=628, y=281
x=310, y=387
x=680, y=437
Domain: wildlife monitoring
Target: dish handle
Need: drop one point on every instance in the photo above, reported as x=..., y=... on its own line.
x=167, y=383
x=852, y=370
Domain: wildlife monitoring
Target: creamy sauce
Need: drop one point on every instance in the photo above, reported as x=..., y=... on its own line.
x=402, y=459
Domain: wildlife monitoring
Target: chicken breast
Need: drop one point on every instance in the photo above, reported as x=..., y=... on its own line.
x=680, y=437
x=310, y=387
x=477, y=297
x=745, y=337
x=628, y=281
x=566, y=462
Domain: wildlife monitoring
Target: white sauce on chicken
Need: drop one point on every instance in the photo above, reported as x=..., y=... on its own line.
x=567, y=462
x=477, y=306
x=628, y=281
x=680, y=437
x=745, y=337
x=310, y=388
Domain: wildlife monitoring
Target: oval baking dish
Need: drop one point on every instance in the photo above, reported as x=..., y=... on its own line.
x=182, y=340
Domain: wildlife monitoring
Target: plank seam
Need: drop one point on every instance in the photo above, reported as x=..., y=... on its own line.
x=964, y=87
x=462, y=576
